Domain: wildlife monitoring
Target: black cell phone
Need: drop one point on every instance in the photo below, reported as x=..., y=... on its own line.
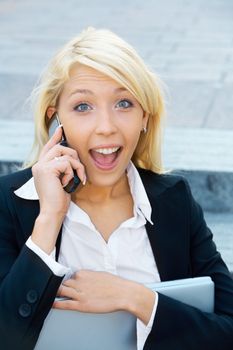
x=53, y=124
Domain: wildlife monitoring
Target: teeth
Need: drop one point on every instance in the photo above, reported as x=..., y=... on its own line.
x=107, y=150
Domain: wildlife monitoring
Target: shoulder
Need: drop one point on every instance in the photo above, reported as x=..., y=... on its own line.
x=15, y=180
x=157, y=184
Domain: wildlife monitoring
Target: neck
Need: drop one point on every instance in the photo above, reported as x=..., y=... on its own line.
x=100, y=194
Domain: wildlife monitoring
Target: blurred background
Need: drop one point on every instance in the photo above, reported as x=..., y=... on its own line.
x=188, y=43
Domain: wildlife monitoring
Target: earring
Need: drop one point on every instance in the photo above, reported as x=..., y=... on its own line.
x=144, y=130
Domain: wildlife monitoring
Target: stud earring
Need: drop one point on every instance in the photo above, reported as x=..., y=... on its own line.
x=144, y=130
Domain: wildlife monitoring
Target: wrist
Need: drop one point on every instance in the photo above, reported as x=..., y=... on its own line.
x=50, y=220
x=46, y=230
x=141, y=301
x=50, y=214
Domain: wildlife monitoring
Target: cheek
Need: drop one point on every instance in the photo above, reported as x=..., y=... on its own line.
x=134, y=136
x=76, y=140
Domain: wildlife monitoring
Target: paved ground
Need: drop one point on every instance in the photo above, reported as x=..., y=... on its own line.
x=188, y=43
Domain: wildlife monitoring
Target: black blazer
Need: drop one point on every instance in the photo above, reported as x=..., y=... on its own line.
x=182, y=246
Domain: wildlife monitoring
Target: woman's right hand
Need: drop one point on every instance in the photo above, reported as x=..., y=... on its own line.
x=51, y=173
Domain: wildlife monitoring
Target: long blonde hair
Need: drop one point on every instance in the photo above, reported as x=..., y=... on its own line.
x=106, y=52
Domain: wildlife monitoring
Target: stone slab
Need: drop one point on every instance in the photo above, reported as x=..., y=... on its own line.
x=199, y=149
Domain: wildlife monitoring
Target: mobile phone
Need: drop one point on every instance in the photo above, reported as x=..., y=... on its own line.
x=54, y=123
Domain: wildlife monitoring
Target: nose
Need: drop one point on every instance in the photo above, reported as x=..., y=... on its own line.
x=106, y=123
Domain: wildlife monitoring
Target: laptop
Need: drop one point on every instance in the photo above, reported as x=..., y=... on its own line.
x=197, y=292
x=73, y=330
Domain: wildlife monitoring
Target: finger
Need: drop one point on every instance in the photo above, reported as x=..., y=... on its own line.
x=70, y=283
x=66, y=166
x=61, y=167
x=67, y=305
x=79, y=168
x=52, y=141
x=57, y=151
x=69, y=292
x=59, y=291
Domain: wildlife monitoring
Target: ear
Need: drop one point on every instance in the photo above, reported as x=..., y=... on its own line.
x=145, y=120
x=50, y=112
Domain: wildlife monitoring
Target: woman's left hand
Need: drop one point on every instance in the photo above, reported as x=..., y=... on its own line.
x=95, y=292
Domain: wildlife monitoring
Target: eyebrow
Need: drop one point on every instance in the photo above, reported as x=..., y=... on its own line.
x=82, y=91
x=89, y=92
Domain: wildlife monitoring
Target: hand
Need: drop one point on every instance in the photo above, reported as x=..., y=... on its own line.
x=50, y=176
x=95, y=292
x=52, y=172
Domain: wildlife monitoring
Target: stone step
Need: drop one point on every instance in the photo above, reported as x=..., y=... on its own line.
x=205, y=158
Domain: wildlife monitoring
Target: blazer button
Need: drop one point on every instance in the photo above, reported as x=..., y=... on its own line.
x=25, y=310
x=32, y=296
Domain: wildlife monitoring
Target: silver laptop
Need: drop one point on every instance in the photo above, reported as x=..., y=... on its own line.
x=73, y=330
x=197, y=292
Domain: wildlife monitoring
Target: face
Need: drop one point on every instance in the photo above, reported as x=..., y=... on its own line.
x=102, y=122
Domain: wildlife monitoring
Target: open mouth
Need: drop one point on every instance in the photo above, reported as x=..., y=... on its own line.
x=105, y=158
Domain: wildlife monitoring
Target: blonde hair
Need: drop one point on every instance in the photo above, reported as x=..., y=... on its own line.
x=106, y=52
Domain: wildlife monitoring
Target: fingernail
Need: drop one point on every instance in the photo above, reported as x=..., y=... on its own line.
x=84, y=180
x=60, y=126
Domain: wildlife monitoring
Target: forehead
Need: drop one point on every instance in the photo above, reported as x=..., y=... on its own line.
x=81, y=75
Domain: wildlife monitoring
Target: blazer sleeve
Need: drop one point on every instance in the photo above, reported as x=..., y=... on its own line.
x=179, y=326
x=27, y=286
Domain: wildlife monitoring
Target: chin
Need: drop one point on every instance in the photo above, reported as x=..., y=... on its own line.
x=105, y=180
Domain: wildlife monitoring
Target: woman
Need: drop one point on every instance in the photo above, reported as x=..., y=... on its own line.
x=126, y=224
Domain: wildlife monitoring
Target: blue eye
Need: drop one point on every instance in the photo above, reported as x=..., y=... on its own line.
x=124, y=104
x=82, y=107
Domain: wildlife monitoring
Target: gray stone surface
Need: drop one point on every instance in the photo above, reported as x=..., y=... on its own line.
x=221, y=112
x=18, y=135
x=212, y=189
x=189, y=44
x=15, y=90
x=198, y=149
x=9, y=167
x=188, y=102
